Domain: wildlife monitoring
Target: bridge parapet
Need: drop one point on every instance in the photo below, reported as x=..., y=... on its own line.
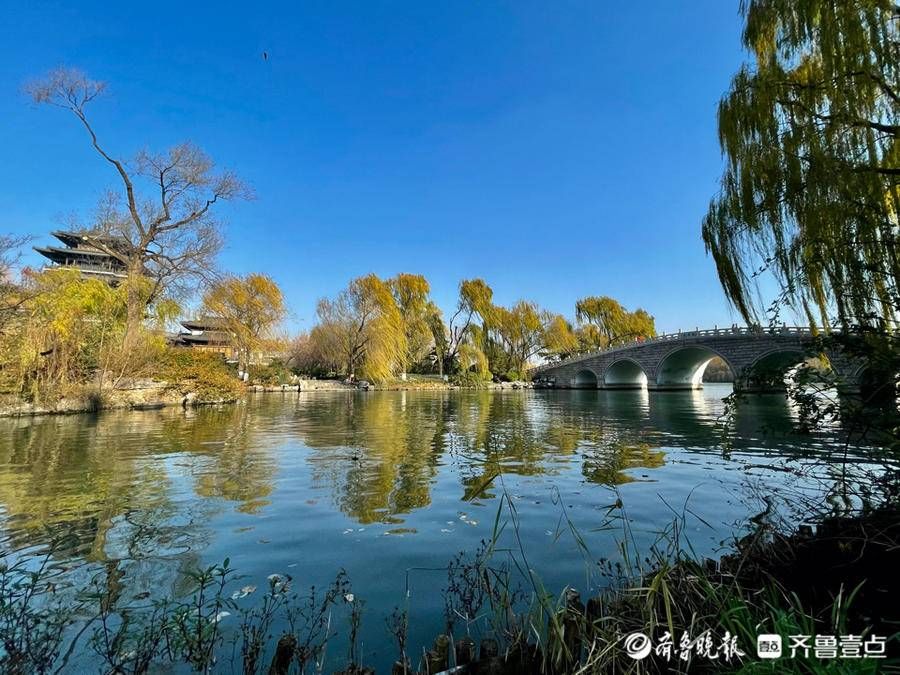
x=685, y=336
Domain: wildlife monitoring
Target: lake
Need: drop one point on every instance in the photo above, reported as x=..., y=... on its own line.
x=390, y=485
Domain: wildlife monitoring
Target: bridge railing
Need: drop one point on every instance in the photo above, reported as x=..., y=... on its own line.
x=799, y=331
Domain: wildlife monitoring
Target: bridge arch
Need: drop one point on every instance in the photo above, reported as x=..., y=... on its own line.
x=683, y=367
x=624, y=373
x=586, y=379
x=875, y=386
x=766, y=373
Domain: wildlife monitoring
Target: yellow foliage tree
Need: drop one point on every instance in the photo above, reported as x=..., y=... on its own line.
x=560, y=340
x=71, y=329
x=411, y=297
x=250, y=308
x=810, y=133
x=68, y=330
x=519, y=333
x=473, y=362
x=363, y=329
x=606, y=323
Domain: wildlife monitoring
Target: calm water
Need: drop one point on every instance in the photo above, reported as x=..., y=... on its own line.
x=382, y=483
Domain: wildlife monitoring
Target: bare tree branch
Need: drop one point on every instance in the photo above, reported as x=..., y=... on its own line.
x=165, y=238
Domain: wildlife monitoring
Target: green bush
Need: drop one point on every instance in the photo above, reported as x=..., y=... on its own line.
x=274, y=373
x=204, y=373
x=471, y=378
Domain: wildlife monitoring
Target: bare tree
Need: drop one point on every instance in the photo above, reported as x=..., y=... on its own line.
x=166, y=235
x=12, y=295
x=10, y=252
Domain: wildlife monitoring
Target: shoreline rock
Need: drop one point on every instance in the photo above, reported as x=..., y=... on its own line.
x=302, y=385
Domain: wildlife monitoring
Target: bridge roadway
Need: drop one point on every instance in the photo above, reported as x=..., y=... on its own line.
x=678, y=360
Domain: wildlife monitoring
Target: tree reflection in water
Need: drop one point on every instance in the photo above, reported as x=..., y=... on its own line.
x=114, y=482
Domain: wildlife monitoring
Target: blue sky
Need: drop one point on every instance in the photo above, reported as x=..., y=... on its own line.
x=556, y=149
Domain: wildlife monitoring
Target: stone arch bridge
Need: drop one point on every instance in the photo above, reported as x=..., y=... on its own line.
x=678, y=360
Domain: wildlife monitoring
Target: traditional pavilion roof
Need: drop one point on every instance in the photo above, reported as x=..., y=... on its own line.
x=206, y=338
x=205, y=323
x=84, y=256
x=54, y=253
x=83, y=240
x=205, y=330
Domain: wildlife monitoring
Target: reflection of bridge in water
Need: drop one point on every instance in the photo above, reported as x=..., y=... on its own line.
x=678, y=360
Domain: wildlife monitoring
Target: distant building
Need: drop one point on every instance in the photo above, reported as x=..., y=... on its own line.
x=207, y=334
x=211, y=334
x=77, y=253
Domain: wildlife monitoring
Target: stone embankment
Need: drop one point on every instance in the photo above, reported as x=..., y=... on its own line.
x=399, y=385
x=511, y=385
x=133, y=395
x=302, y=385
x=152, y=395
x=437, y=384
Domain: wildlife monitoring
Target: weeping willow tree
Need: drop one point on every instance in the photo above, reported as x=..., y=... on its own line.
x=604, y=322
x=811, y=135
x=410, y=293
x=68, y=335
x=473, y=364
x=560, y=340
x=73, y=326
x=362, y=330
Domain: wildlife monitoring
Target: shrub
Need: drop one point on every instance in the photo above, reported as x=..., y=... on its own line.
x=275, y=372
x=204, y=373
